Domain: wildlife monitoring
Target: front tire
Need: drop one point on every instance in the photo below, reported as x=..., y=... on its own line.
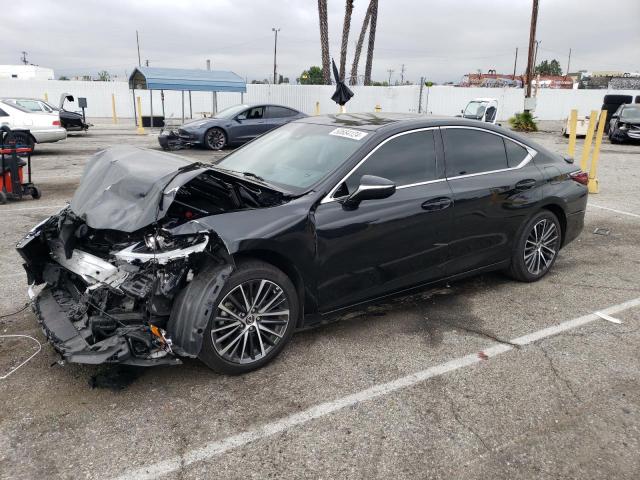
x=254, y=319
x=537, y=248
x=215, y=139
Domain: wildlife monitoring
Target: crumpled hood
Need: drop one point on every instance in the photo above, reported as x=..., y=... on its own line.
x=121, y=187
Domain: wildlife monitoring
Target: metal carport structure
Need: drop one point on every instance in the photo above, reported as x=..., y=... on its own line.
x=183, y=80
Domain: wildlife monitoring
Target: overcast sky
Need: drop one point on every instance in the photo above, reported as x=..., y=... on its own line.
x=439, y=39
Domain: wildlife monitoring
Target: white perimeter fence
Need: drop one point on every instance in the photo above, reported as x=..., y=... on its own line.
x=552, y=104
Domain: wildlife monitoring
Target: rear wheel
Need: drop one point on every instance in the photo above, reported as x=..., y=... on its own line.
x=3, y=198
x=537, y=248
x=215, y=139
x=253, y=320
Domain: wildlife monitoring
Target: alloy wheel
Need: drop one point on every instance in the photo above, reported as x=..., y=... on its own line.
x=250, y=321
x=541, y=247
x=216, y=139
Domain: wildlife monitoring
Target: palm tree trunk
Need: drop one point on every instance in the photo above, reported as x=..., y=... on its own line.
x=345, y=37
x=356, y=56
x=372, y=41
x=324, y=41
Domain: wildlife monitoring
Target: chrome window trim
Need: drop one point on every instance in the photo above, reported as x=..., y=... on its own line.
x=329, y=197
x=531, y=153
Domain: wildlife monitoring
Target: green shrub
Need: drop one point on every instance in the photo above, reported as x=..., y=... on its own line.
x=523, y=122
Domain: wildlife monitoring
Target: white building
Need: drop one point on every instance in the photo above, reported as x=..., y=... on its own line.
x=26, y=72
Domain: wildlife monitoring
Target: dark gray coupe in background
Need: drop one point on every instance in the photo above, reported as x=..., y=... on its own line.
x=230, y=127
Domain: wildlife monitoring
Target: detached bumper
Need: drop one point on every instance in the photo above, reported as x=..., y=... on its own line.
x=54, y=309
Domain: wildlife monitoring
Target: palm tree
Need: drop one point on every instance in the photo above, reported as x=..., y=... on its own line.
x=372, y=39
x=345, y=37
x=356, y=56
x=324, y=41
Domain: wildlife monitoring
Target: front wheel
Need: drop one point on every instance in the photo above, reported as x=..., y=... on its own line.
x=537, y=248
x=215, y=139
x=254, y=319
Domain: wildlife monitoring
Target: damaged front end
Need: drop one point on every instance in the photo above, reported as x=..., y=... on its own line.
x=120, y=295
x=108, y=295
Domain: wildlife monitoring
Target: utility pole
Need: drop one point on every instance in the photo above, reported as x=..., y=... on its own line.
x=275, y=52
x=530, y=59
x=568, y=63
x=515, y=63
x=138, y=43
x=390, y=72
x=535, y=55
x=402, y=75
x=24, y=58
x=146, y=63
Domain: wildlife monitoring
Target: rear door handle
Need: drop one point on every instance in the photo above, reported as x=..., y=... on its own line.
x=439, y=203
x=526, y=184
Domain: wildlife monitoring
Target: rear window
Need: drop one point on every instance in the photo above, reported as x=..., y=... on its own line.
x=515, y=153
x=469, y=151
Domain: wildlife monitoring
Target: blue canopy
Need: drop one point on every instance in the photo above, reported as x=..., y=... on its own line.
x=146, y=78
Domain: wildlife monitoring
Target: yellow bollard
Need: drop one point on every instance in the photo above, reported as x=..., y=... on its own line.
x=317, y=112
x=573, y=125
x=46, y=97
x=378, y=108
x=586, y=149
x=593, y=171
x=140, y=129
x=113, y=108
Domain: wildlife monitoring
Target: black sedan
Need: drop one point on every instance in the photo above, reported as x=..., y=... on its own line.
x=230, y=127
x=157, y=257
x=624, y=125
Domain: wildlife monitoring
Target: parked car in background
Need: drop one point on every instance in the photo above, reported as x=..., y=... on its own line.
x=625, y=124
x=157, y=257
x=44, y=126
x=611, y=103
x=230, y=127
x=70, y=121
x=482, y=109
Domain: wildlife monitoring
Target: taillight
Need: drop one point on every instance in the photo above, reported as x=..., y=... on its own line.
x=580, y=177
x=56, y=123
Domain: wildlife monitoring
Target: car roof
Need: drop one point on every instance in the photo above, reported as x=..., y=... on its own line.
x=386, y=120
x=22, y=98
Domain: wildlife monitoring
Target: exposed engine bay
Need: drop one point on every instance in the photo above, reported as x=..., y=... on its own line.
x=119, y=296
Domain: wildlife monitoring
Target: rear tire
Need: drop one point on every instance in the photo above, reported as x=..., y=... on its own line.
x=215, y=139
x=3, y=198
x=35, y=193
x=238, y=338
x=536, y=248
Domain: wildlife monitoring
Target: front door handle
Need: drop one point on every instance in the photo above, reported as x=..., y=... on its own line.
x=439, y=203
x=526, y=184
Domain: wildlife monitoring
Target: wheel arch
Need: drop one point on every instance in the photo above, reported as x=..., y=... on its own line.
x=561, y=215
x=288, y=267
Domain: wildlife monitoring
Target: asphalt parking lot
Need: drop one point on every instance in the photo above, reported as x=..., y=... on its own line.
x=482, y=378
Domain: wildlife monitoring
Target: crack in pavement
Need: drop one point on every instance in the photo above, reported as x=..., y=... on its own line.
x=456, y=416
x=557, y=374
x=474, y=331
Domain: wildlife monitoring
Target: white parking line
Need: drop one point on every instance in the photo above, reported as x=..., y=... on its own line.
x=218, y=447
x=614, y=210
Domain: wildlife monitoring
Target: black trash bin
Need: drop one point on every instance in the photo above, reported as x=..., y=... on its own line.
x=158, y=121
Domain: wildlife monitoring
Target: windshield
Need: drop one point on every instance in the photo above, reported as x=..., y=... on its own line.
x=630, y=114
x=231, y=112
x=474, y=110
x=296, y=155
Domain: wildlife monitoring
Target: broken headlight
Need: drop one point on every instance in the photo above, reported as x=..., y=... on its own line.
x=162, y=249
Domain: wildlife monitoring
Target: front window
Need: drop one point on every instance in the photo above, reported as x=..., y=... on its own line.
x=630, y=115
x=294, y=156
x=474, y=110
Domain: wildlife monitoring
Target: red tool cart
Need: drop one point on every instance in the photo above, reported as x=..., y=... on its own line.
x=13, y=151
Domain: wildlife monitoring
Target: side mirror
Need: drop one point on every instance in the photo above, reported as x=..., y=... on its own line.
x=370, y=188
x=614, y=116
x=241, y=117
